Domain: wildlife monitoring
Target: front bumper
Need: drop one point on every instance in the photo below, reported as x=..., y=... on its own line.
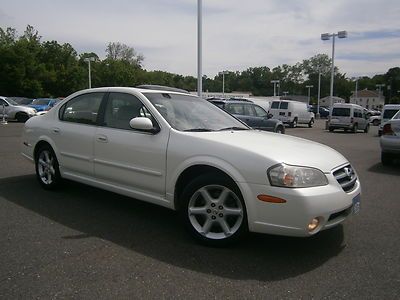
x=390, y=144
x=330, y=203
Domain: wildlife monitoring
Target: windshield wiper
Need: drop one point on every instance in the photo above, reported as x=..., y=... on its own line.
x=233, y=128
x=199, y=130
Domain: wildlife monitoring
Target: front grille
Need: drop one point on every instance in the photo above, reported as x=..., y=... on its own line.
x=346, y=177
x=342, y=213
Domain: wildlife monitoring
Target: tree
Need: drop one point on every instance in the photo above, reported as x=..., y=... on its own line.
x=118, y=51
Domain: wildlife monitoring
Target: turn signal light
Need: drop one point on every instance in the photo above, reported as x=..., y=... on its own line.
x=270, y=199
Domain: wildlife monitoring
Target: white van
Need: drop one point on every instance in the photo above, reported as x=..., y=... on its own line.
x=389, y=110
x=349, y=116
x=292, y=112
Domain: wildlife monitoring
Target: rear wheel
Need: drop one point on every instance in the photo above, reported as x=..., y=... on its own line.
x=213, y=210
x=331, y=129
x=375, y=122
x=294, y=123
x=311, y=123
x=47, y=168
x=355, y=128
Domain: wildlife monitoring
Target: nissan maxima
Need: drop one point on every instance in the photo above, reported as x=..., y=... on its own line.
x=182, y=152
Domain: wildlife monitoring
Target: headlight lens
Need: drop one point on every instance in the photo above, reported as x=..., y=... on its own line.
x=296, y=177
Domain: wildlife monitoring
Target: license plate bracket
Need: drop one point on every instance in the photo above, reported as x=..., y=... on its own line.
x=356, y=204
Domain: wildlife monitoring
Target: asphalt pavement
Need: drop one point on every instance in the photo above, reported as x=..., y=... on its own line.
x=82, y=242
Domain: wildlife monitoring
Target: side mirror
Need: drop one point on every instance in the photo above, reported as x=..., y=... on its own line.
x=143, y=124
x=270, y=116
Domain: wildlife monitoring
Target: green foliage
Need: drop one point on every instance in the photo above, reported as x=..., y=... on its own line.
x=35, y=68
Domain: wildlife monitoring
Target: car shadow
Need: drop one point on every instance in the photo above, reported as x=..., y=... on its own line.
x=393, y=169
x=157, y=232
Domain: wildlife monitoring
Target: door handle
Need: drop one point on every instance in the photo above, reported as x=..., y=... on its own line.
x=56, y=130
x=102, y=139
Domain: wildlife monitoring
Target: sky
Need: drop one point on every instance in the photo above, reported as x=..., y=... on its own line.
x=237, y=34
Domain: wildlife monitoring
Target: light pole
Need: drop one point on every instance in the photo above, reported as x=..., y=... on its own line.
x=199, y=48
x=223, y=83
x=275, y=82
x=326, y=37
x=285, y=93
x=319, y=92
x=380, y=86
x=88, y=60
x=309, y=89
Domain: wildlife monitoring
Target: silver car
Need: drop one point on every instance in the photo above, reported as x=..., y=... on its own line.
x=390, y=140
x=12, y=111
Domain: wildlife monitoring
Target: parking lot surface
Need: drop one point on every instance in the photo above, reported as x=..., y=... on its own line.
x=82, y=242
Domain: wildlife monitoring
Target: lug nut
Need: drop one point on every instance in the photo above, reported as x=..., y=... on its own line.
x=208, y=211
x=221, y=215
x=212, y=204
x=213, y=217
x=220, y=207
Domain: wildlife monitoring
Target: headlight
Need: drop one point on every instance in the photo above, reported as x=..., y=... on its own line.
x=295, y=177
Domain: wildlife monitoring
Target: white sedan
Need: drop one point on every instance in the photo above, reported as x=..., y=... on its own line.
x=182, y=152
x=390, y=140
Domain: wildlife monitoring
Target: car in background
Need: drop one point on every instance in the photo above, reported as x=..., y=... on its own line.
x=390, y=140
x=12, y=111
x=251, y=114
x=43, y=104
x=375, y=120
x=389, y=110
x=323, y=111
x=349, y=116
x=292, y=112
x=181, y=152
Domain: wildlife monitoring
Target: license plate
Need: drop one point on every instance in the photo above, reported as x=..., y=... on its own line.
x=356, y=204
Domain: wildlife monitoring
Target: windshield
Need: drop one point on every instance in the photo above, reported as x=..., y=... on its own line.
x=389, y=113
x=189, y=113
x=341, y=112
x=11, y=101
x=41, y=102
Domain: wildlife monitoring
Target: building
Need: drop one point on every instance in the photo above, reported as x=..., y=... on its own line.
x=326, y=101
x=368, y=99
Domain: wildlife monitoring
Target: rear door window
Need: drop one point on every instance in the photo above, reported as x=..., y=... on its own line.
x=275, y=105
x=341, y=112
x=82, y=109
x=235, y=108
x=284, y=105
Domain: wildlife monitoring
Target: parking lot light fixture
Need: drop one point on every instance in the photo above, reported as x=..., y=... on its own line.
x=199, y=48
x=325, y=37
x=319, y=92
x=223, y=82
x=275, y=82
x=88, y=60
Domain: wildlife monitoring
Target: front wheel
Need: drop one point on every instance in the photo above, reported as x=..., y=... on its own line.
x=366, y=128
x=280, y=129
x=375, y=122
x=22, y=117
x=355, y=128
x=294, y=123
x=311, y=123
x=47, y=168
x=213, y=210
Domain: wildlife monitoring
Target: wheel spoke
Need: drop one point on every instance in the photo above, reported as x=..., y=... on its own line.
x=224, y=226
x=197, y=210
x=223, y=196
x=42, y=162
x=206, y=196
x=232, y=211
x=47, y=156
x=207, y=226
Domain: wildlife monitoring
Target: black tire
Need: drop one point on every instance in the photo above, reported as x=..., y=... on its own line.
x=214, y=223
x=280, y=129
x=386, y=159
x=294, y=123
x=355, y=128
x=21, y=117
x=47, y=168
x=366, y=128
x=311, y=123
x=331, y=129
x=375, y=122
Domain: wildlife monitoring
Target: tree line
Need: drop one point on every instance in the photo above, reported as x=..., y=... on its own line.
x=33, y=68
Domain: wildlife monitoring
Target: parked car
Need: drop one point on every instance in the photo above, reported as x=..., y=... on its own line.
x=389, y=110
x=390, y=140
x=43, y=104
x=292, y=112
x=375, y=120
x=349, y=116
x=251, y=114
x=323, y=111
x=184, y=153
x=13, y=111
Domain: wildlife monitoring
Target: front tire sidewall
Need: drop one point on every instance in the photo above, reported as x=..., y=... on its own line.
x=311, y=123
x=56, y=177
x=188, y=192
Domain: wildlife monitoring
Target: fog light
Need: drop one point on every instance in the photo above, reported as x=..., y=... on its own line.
x=313, y=224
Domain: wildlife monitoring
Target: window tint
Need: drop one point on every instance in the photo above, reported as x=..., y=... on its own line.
x=3, y=102
x=275, y=104
x=121, y=108
x=260, y=112
x=341, y=112
x=284, y=105
x=248, y=110
x=357, y=113
x=82, y=109
x=389, y=113
x=236, y=109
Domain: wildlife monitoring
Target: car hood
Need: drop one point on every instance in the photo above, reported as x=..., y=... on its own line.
x=277, y=148
x=38, y=107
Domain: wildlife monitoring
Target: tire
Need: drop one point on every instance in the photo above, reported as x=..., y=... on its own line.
x=47, y=168
x=280, y=129
x=386, y=159
x=375, y=122
x=355, y=128
x=21, y=117
x=311, y=123
x=330, y=129
x=366, y=128
x=294, y=123
x=213, y=210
